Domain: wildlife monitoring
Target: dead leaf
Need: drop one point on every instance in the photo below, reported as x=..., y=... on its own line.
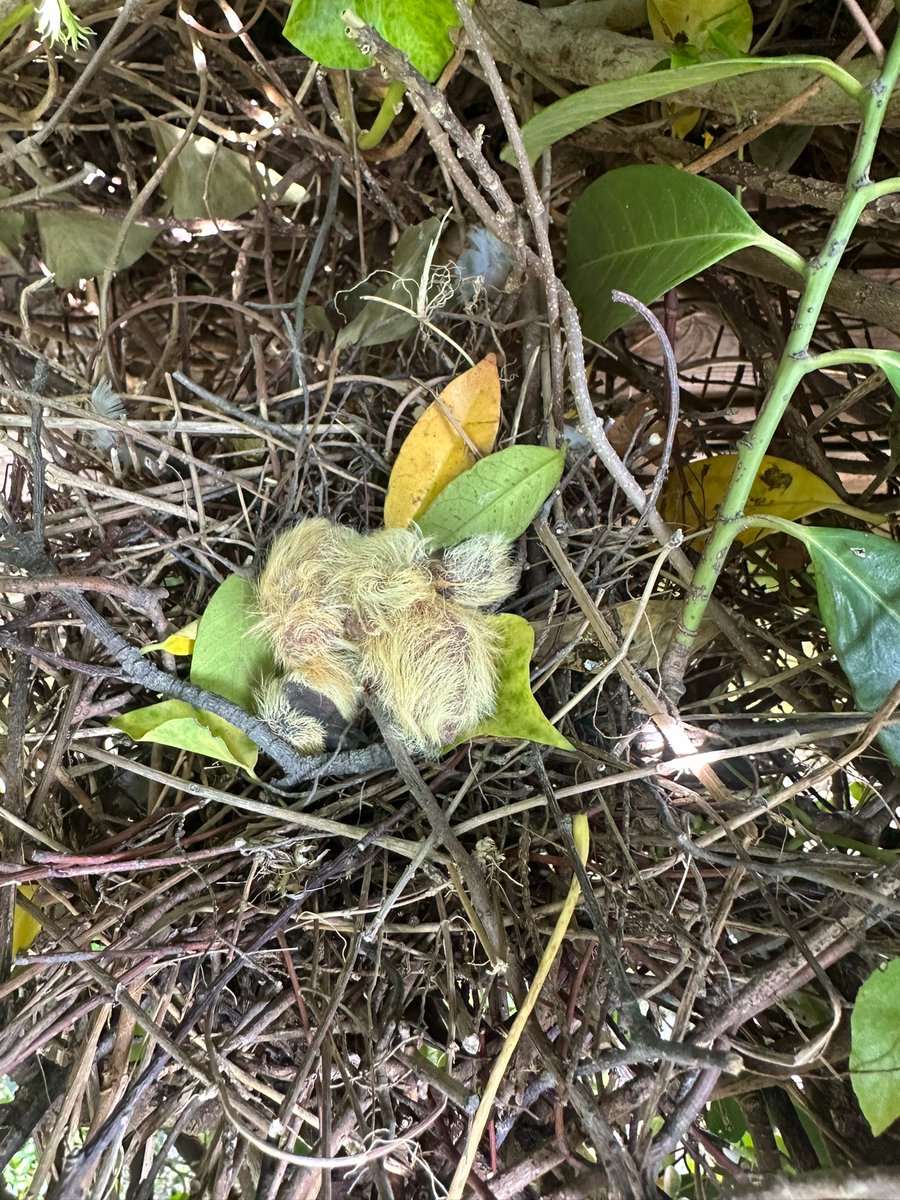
x=649, y=643
x=434, y=454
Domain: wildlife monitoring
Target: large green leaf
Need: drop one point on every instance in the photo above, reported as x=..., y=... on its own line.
x=517, y=713
x=500, y=494
x=174, y=723
x=594, y=103
x=76, y=244
x=421, y=31
x=643, y=230
x=875, y=1047
x=858, y=584
x=229, y=658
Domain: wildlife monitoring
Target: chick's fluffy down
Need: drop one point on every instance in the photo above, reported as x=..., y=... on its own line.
x=435, y=672
x=304, y=615
x=343, y=611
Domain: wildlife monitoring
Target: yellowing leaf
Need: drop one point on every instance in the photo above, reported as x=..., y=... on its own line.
x=434, y=454
x=682, y=120
x=701, y=23
x=174, y=723
x=181, y=642
x=25, y=927
x=692, y=496
x=517, y=714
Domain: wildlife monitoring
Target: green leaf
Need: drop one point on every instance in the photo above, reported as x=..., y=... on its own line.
x=777, y=149
x=858, y=585
x=229, y=658
x=76, y=244
x=594, y=103
x=517, y=713
x=500, y=494
x=12, y=20
x=700, y=23
x=377, y=322
x=875, y=1047
x=726, y=1119
x=421, y=31
x=12, y=224
x=890, y=364
x=645, y=229
x=208, y=180
x=174, y=723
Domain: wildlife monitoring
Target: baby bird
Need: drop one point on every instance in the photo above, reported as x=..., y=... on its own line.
x=345, y=612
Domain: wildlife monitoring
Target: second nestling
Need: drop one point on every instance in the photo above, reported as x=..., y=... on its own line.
x=346, y=612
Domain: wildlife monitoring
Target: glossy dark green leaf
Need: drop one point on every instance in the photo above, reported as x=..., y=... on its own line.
x=875, y=1047
x=421, y=31
x=726, y=1120
x=858, y=585
x=502, y=493
x=229, y=658
x=643, y=230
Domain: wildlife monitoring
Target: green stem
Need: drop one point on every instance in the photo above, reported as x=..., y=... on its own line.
x=794, y=364
x=885, y=187
x=854, y=354
x=393, y=98
x=787, y=254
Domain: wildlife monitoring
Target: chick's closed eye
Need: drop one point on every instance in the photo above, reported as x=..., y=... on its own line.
x=344, y=612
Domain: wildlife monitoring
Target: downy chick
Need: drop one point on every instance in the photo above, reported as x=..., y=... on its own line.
x=345, y=612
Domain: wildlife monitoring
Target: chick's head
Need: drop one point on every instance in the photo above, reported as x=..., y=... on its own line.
x=478, y=572
x=273, y=704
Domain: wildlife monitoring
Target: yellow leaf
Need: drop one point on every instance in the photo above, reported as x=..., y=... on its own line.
x=680, y=23
x=434, y=453
x=181, y=642
x=25, y=927
x=692, y=496
x=682, y=119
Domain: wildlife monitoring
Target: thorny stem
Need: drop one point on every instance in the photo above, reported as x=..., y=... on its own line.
x=795, y=363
